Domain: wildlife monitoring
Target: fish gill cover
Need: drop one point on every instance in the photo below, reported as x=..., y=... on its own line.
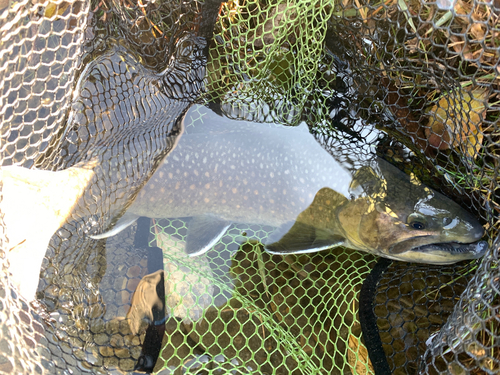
x=104, y=85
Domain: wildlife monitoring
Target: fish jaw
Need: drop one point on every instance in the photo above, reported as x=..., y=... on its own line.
x=444, y=253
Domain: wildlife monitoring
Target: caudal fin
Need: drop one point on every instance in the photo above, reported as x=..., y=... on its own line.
x=35, y=204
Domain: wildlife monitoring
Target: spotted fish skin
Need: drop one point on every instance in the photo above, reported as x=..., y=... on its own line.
x=242, y=172
x=225, y=171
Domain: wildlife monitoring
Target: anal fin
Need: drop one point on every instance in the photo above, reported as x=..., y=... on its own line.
x=203, y=233
x=299, y=238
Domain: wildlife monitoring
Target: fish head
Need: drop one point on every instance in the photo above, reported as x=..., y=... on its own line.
x=394, y=215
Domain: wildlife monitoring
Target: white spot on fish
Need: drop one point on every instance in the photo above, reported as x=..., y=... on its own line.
x=207, y=186
x=234, y=190
x=206, y=200
x=453, y=224
x=271, y=174
x=187, y=157
x=192, y=187
x=207, y=174
x=170, y=175
x=196, y=172
x=205, y=160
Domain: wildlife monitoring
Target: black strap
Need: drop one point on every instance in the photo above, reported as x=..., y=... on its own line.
x=155, y=332
x=142, y=233
x=209, y=14
x=368, y=319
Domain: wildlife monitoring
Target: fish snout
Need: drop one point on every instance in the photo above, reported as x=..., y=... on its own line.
x=464, y=229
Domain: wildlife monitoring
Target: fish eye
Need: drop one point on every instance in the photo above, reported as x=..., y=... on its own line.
x=417, y=225
x=417, y=221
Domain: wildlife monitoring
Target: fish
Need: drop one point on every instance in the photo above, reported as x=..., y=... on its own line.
x=224, y=171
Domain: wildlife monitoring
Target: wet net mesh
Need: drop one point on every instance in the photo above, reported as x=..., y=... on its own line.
x=103, y=86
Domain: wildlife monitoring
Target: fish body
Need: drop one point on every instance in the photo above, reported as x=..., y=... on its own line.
x=224, y=171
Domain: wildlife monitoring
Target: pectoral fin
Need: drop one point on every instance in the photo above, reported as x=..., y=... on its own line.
x=203, y=233
x=298, y=238
x=125, y=221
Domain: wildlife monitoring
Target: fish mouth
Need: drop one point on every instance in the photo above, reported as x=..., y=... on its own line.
x=439, y=252
x=471, y=250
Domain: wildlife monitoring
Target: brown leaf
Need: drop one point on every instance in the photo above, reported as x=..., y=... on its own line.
x=457, y=43
x=357, y=355
x=476, y=29
x=455, y=122
x=53, y=9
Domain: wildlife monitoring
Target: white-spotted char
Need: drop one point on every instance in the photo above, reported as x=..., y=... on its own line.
x=225, y=171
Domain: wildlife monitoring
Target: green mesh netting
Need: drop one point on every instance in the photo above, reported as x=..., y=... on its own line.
x=104, y=85
x=253, y=312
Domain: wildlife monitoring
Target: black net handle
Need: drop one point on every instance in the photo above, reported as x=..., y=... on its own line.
x=368, y=320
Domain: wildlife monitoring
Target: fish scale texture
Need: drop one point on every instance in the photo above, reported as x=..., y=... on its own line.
x=103, y=85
